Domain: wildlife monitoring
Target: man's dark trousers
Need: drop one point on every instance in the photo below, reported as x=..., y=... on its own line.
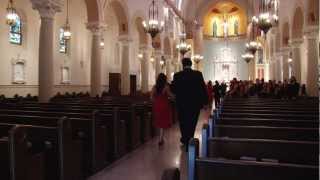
x=188, y=118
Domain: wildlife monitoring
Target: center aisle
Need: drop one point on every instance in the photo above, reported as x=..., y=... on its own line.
x=149, y=161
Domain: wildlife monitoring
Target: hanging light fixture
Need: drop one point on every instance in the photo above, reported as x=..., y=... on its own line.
x=153, y=26
x=66, y=28
x=252, y=46
x=197, y=58
x=247, y=56
x=268, y=15
x=12, y=15
x=183, y=47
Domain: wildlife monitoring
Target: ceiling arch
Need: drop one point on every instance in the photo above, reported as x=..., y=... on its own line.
x=143, y=38
x=297, y=24
x=93, y=10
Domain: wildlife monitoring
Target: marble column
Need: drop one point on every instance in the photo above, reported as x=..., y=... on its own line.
x=285, y=64
x=168, y=67
x=295, y=44
x=158, y=56
x=125, y=65
x=144, y=69
x=312, y=36
x=47, y=10
x=96, y=58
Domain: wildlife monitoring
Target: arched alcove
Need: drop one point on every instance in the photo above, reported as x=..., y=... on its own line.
x=226, y=12
x=121, y=15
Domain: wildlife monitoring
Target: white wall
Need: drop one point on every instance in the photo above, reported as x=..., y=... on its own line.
x=212, y=48
x=79, y=49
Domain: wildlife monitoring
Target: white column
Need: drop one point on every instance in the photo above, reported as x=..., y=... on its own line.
x=47, y=10
x=158, y=55
x=295, y=44
x=145, y=69
x=96, y=58
x=312, y=58
x=285, y=64
x=125, y=65
x=168, y=66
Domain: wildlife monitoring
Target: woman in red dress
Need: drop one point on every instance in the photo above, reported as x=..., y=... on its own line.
x=162, y=110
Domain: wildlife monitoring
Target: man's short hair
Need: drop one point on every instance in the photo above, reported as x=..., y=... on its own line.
x=186, y=62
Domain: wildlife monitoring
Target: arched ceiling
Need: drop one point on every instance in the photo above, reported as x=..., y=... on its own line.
x=93, y=11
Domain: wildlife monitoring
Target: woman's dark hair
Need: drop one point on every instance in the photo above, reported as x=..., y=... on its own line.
x=161, y=82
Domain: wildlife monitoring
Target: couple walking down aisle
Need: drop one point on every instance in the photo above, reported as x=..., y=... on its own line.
x=190, y=93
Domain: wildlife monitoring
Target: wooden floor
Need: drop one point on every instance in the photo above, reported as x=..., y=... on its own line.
x=148, y=161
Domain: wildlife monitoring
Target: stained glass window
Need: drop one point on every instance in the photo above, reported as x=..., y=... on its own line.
x=62, y=42
x=15, y=35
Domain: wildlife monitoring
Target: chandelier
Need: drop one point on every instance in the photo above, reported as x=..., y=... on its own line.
x=247, y=56
x=197, y=58
x=268, y=15
x=66, y=28
x=12, y=15
x=252, y=46
x=153, y=26
x=183, y=47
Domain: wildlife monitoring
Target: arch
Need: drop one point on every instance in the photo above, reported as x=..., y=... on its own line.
x=297, y=24
x=285, y=34
x=167, y=46
x=216, y=14
x=205, y=7
x=143, y=38
x=93, y=10
x=120, y=10
x=313, y=12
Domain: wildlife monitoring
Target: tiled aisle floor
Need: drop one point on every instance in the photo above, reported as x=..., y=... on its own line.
x=148, y=161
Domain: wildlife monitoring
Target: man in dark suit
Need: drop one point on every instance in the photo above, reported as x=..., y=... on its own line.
x=191, y=96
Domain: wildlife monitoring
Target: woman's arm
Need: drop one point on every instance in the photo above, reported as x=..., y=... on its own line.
x=168, y=91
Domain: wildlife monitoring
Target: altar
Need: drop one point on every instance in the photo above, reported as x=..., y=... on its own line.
x=225, y=65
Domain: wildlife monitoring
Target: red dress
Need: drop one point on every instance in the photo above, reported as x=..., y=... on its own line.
x=162, y=111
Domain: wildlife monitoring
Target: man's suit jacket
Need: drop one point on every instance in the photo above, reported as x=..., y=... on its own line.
x=190, y=89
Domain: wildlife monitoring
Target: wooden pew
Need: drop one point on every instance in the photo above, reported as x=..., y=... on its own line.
x=265, y=132
x=89, y=128
x=271, y=115
x=126, y=117
x=16, y=162
x=295, y=152
x=268, y=111
x=267, y=122
x=222, y=169
x=62, y=156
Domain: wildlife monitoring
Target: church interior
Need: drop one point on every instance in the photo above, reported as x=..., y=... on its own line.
x=76, y=78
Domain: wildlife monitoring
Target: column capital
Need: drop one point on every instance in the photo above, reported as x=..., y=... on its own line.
x=167, y=56
x=125, y=39
x=295, y=43
x=144, y=47
x=285, y=50
x=311, y=32
x=96, y=27
x=158, y=52
x=47, y=8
